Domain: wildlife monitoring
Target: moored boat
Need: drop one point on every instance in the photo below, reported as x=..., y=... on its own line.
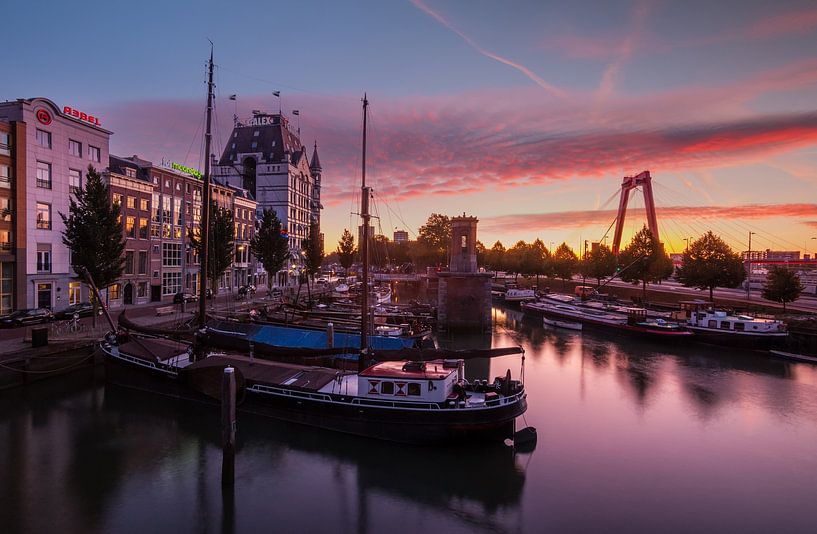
x=569, y=325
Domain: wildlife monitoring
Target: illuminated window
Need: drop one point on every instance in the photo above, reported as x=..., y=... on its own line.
x=74, y=293
x=43, y=216
x=130, y=226
x=117, y=199
x=143, y=228
x=144, y=205
x=114, y=291
x=131, y=202
x=6, y=206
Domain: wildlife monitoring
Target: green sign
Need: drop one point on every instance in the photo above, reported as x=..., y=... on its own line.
x=189, y=170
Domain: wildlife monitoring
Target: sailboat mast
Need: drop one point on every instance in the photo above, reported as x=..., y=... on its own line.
x=204, y=229
x=364, y=249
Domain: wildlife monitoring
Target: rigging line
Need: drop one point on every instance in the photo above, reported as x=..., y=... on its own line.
x=193, y=139
x=400, y=218
x=278, y=85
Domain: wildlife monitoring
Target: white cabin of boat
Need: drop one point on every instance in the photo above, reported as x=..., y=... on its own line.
x=519, y=295
x=720, y=320
x=431, y=381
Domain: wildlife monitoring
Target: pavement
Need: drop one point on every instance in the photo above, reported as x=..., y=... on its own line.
x=14, y=341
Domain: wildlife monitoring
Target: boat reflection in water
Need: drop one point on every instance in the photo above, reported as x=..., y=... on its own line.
x=98, y=458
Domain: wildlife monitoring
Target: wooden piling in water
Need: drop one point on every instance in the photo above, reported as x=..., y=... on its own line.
x=228, y=428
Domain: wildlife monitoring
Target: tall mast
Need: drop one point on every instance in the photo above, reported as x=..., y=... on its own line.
x=205, y=212
x=364, y=250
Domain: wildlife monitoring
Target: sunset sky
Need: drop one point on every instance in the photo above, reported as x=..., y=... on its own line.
x=524, y=114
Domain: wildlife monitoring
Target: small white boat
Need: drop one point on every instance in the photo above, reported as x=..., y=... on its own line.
x=520, y=295
x=342, y=288
x=562, y=324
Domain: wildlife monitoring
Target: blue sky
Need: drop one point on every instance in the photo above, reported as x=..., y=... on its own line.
x=511, y=111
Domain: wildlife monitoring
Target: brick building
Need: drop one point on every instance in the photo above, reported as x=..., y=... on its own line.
x=50, y=150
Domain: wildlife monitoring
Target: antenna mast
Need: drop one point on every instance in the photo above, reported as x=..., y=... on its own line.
x=364, y=251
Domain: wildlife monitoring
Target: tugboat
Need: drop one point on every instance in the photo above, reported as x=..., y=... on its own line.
x=724, y=328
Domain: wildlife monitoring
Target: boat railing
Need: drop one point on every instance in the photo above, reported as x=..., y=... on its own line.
x=290, y=392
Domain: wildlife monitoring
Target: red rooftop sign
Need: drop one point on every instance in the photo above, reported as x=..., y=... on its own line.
x=81, y=115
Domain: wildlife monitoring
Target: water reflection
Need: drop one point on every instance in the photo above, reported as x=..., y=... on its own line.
x=698, y=436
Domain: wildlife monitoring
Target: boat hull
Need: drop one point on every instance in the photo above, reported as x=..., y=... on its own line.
x=738, y=339
x=332, y=412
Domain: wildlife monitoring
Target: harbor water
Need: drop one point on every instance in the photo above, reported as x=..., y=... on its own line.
x=632, y=436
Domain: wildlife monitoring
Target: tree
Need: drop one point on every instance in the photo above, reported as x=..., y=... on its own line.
x=540, y=258
x=481, y=253
x=644, y=260
x=93, y=233
x=495, y=257
x=599, y=263
x=782, y=285
x=516, y=258
x=346, y=250
x=710, y=263
x=565, y=263
x=270, y=246
x=219, y=243
x=313, y=253
x=435, y=235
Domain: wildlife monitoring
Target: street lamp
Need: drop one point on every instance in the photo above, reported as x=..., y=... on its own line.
x=749, y=265
x=687, y=241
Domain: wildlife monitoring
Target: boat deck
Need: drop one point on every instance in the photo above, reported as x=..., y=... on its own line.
x=155, y=350
x=269, y=373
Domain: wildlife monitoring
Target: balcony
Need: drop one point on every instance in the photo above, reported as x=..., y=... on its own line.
x=43, y=225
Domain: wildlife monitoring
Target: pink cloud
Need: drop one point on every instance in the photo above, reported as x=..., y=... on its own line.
x=577, y=219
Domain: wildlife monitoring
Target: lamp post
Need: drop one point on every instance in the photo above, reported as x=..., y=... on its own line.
x=749, y=272
x=687, y=240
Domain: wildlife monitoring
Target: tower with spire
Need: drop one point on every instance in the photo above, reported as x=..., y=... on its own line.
x=264, y=156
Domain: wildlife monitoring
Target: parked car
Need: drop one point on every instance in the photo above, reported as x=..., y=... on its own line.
x=322, y=280
x=83, y=309
x=245, y=291
x=24, y=317
x=182, y=296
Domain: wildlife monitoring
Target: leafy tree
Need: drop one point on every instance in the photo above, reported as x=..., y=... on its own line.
x=644, y=260
x=599, y=263
x=710, y=263
x=422, y=255
x=495, y=257
x=435, y=235
x=565, y=263
x=313, y=253
x=516, y=258
x=270, y=246
x=782, y=285
x=93, y=233
x=540, y=258
x=346, y=250
x=219, y=243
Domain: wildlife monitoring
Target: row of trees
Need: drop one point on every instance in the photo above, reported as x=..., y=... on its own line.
x=93, y=233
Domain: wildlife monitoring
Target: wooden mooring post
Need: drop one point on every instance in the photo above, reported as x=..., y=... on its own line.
x=228, y=428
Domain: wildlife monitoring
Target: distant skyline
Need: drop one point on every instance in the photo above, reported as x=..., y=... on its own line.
x=524, y=114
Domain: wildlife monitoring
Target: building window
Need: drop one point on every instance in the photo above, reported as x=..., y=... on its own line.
x=254, y=144
x=166, y=213
x=142, y=289
x=143, y=228
x=5, y=176
x=171, y=254
x=74, y=294
x=43, y=259
x=114, y=291
x=6, y=208
x=144, y=205
x=74, y=181
x=256, y=133
x=43, y=216
x=157, y=211
x=93, y=154
x=130, y=202
x=155, y=231
x=130, y=226
x=143, y=262
x=117, y=199
x=43, y=175
x=6, y=286
x=130, y=173
x=128, y=262
x=171, y=283
x=74, y=148
x=5, y=240
x=43, y=138
x=177, y=209
x=44, y=296
x=5, y=143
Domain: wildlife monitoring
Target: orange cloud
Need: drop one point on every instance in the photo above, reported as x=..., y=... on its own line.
x=577, y=219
